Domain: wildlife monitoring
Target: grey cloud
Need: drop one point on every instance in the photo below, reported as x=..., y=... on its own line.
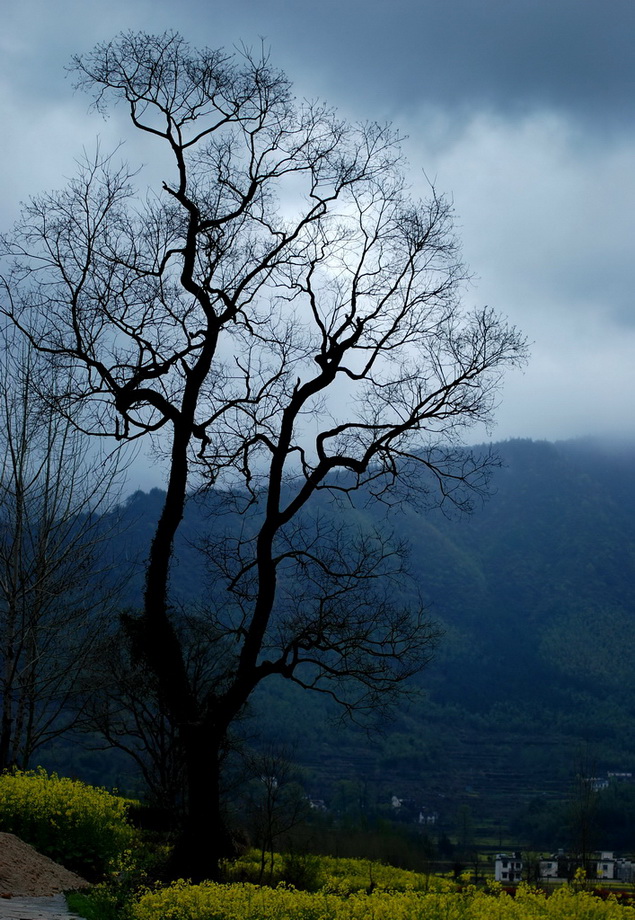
x=522, y=109
x=508, y=54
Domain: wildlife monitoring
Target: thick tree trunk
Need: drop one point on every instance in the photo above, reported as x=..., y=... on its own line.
x=204, y=840
x=5, y=736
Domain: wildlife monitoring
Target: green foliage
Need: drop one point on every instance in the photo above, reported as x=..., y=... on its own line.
x=98, y=903
x=549, y=824
x=79, y=826
x=303, y=870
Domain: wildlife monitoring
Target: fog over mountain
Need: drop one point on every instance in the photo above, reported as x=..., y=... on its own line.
x=534, y=593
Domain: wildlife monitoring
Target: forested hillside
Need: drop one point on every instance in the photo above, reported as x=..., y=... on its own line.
x=534, y=674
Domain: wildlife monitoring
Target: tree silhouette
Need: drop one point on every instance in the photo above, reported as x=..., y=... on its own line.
x=283, y=320
x=55, y=583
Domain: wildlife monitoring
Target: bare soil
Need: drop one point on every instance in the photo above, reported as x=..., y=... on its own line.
x=28, y=874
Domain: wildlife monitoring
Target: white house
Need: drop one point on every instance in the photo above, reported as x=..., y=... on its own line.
x=549, y=867
x=508, y=868
x=605, y=866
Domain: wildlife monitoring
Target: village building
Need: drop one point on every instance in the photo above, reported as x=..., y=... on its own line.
x=605, y=866
x=549, y=867
x=508, y=868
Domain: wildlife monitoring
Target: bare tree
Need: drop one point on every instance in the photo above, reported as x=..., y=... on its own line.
x=123, y=701
x=281, y=319
x=122, y=704
x=52, y=585
x=276, y=802
x=582, y=810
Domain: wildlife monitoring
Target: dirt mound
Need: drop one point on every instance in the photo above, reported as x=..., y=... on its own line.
x=26, y=873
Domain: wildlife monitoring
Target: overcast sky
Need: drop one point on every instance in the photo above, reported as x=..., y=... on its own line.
x=522, y=110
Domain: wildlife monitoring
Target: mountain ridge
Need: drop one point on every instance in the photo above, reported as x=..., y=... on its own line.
x=534, y=591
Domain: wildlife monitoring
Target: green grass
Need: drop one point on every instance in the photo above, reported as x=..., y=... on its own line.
x=98, y=903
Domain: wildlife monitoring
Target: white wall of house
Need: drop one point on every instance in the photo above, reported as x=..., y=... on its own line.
x=508, y=868
x=605, y=867
x=548, y=868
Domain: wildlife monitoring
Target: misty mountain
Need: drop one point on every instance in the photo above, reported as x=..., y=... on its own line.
x=534, y=592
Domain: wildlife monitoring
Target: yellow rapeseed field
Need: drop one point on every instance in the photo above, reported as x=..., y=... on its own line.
x=210, y=901
x=80, y=826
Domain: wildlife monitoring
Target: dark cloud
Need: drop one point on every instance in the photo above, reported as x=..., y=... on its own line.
x=383, y=58
x=508, y=54
x=522, y=110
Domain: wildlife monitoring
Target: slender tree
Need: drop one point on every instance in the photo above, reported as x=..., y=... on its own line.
x=282, y=319
x=276, y=803
x=53, y=584
x=583, y=811
x=122, y=704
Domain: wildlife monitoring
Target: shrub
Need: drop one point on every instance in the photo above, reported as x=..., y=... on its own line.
x=302, y=870
x=79, y=826
x=336, y=875
x=98, y=903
